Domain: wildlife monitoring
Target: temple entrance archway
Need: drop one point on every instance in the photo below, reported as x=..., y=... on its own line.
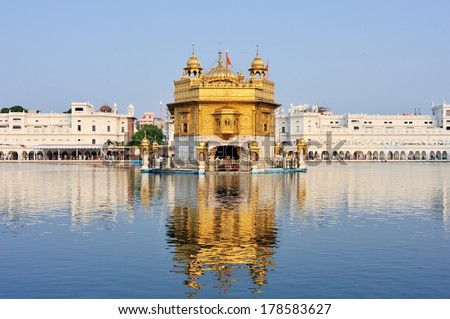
x=230, y=152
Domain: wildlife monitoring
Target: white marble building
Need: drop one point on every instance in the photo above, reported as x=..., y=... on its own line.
x=80, y=134
x=366, y=137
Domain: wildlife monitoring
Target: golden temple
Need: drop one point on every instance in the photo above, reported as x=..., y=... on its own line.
x=221, y=115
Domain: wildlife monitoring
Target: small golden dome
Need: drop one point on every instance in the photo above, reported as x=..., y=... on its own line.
x=144, y=142
x=258, y=63
x=193, y=62
x=192, y=68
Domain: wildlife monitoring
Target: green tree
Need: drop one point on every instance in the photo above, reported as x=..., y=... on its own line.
x=15, y=108
x=153, y=133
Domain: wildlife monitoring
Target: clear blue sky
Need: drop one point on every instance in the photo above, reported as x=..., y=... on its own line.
x=351, y=56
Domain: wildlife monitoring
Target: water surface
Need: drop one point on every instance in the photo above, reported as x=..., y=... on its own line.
x=365, y=230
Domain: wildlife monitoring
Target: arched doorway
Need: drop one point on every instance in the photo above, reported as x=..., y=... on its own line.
x=396, y=155
x=229, y=152
x=325, y=155
x=347, y=155
x=226, y=157
x=358, y=155
x=13, y=155
x=390, y=155
x=424, y=155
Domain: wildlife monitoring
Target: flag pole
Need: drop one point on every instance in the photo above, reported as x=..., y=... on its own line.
x=227, y=62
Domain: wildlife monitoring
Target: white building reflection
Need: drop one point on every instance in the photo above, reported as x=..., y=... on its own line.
x=33, y=193
x=387, y=191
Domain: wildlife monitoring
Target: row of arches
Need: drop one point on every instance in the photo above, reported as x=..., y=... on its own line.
x=378, y=155
x=59, y=155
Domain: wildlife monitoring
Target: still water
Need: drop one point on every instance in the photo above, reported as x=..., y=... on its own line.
x=365, y=230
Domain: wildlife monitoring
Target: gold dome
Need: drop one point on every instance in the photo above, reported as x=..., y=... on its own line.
x=258, y=68
x=193, y=62
x=144, y=142
x=220, y=72
x=258, y=63
x=192, y=68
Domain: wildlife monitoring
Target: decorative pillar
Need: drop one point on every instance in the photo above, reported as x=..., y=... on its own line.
x=254, y=151
x=145, y=151
x=212, y=160
x=302, y=151
x=202, y=153
x=155, y=148
x=155, y=155
x=254, y=155
x=277, y=149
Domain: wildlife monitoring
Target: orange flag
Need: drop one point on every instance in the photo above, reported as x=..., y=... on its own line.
x=228, y=62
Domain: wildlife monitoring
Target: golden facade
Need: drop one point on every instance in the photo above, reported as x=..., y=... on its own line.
x=219, y=114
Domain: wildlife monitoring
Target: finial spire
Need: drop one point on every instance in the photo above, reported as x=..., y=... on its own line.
x=220, y=58
x=193, y=49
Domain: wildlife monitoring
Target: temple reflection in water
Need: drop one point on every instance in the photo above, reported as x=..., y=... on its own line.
x=228, y=225
x=168, y=236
